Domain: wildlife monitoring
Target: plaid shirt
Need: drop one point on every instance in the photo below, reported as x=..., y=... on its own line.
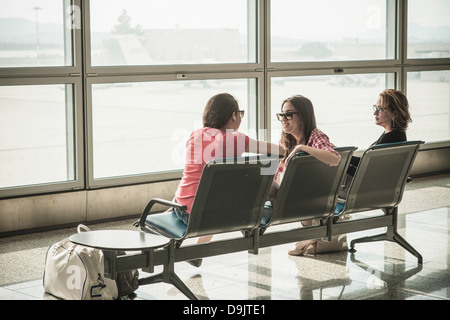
x=318, y=140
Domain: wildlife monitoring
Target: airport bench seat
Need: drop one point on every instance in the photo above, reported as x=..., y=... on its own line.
x=230, y=197
x=379, y=183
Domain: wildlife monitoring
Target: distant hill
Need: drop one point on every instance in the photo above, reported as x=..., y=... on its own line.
x=438, y=34
x=22, y=32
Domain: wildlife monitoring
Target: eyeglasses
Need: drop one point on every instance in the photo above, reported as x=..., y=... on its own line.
x=287, y=116
x=379, y=109
x=241, y=112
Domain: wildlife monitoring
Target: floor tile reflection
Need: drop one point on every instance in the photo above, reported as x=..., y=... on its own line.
x=378, y=270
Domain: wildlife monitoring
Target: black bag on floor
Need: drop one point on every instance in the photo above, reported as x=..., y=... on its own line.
x=127, y=281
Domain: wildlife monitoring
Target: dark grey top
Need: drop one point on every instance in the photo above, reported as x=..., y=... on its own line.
x=119, y=240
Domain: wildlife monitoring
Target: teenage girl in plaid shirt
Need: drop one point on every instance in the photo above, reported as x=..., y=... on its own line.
x=300, y=133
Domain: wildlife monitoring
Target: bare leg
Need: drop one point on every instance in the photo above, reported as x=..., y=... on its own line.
x=204, y=239
x=198, y=262
x=306, y=223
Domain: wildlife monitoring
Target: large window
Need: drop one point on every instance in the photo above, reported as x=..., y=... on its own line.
x=342, y=104
x=37, y=126
x=330, y=30
x=101, y=93
x=41, y=129
x=428, y=29
x=36, y=33
x=142, y=127
x=429, y=98
x=155, y=32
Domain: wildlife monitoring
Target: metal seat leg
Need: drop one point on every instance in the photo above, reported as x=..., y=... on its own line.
x=168, y=276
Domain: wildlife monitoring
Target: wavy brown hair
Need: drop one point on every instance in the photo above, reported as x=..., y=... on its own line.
x=397, y=104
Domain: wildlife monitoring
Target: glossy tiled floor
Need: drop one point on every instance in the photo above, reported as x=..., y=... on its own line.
x=379, y=270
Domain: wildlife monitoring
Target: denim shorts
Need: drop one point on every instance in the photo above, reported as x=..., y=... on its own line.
x=181, y=214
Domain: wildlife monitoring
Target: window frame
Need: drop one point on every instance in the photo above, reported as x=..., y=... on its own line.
x=78, y=138
x=55, y=71
x=176, y=68
x=56, y=75
x=321, y=72
x=415, y=61
x=428, y=68
x=93, y=183
x=338, y=65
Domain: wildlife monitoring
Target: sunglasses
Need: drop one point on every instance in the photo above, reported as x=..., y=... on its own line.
x=287, y=116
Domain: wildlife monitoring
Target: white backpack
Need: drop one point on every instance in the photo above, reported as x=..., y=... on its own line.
x=75, y=272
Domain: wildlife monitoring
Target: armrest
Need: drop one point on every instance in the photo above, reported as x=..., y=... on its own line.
x=152, y=202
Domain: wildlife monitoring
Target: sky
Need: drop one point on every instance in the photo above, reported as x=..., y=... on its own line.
x=148, y=13
x=156, y=14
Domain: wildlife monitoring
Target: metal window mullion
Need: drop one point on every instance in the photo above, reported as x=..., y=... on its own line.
x=70, y=103
x=402, y=42
x=265, y=51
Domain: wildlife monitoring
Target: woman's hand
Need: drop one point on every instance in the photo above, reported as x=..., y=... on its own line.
x=297, y=148
x=322, y=155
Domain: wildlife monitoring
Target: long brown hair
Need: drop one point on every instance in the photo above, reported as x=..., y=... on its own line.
x=305, y=111
x=219, y=109
x=398, y=107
